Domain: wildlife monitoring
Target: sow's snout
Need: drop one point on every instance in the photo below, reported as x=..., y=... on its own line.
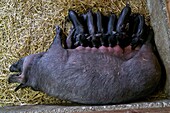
x=17, y=66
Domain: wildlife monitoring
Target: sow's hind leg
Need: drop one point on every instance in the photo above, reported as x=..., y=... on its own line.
x=142, y=73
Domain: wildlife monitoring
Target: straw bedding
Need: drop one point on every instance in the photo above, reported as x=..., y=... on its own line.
x=28, y=26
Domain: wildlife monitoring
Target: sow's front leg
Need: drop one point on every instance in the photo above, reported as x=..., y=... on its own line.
x=47, y=71
x=56, y=55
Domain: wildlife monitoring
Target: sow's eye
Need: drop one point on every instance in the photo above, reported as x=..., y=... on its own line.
x=17, y=66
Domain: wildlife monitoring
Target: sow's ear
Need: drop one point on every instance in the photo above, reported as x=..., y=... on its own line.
x=15, y=78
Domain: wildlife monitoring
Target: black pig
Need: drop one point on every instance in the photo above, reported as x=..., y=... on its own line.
x=88, y=77
x=92, y=75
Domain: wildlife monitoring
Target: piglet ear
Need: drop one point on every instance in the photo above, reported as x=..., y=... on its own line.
x=58, y=37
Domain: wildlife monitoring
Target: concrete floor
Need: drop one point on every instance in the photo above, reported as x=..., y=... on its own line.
x=157, y=106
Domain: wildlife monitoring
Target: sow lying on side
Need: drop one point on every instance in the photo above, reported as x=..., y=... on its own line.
x=104, y=60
